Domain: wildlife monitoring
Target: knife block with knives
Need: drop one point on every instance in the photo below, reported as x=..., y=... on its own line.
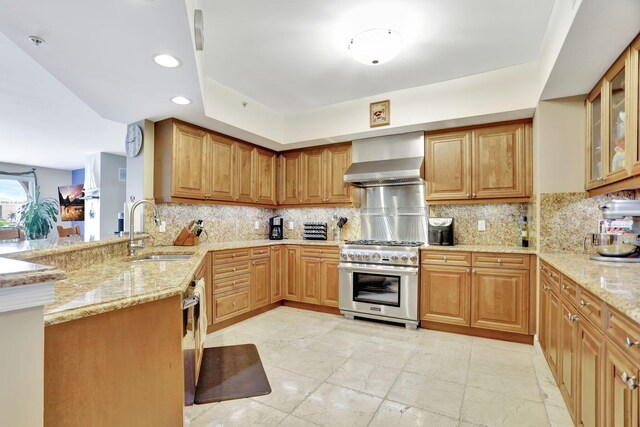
x=190, y=236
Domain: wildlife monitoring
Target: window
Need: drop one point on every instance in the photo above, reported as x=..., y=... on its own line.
x=14, y=191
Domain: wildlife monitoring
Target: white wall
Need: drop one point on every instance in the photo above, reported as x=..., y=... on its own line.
x=140, y=172
x=559, y=138
x=48, y=179
x=112, y=192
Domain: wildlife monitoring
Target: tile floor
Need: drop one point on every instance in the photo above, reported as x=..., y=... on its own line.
x=326, y=370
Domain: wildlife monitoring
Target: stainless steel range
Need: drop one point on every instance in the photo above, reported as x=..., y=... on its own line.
x=379, y=279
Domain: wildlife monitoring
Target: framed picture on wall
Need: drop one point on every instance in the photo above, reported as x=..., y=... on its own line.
x=380, y=113
x=71, y=202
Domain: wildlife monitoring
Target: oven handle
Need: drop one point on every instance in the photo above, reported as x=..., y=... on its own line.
x=378, y=268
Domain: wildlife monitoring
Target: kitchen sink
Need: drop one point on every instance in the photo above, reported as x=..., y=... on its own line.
x=163, y=257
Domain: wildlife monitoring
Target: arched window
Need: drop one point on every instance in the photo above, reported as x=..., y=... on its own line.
x=14, y=192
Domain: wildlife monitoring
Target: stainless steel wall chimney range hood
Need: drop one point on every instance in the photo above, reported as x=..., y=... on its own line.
x=387, y=160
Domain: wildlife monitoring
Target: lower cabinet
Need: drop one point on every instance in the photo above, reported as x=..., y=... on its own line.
x=329, y=289
x=550, y=322
x=589, y=383
x=621, y=388
x=277, y=278
x=226, y=306
x=567, y=352
x=319, y=278
x=291, y=273
x=445, y=294
x=260, y=282
x=310, y=280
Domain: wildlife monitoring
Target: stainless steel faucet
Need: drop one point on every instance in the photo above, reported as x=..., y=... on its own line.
x=156, y=217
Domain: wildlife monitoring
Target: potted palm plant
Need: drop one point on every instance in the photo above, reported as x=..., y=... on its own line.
x=38, y=216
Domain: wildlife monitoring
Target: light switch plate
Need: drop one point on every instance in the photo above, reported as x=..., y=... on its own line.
x=163, y=227
x=482, y=225
x=290, y=225
x=256, y=225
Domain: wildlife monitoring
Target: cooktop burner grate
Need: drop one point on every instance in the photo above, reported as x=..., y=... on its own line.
x=384, y=243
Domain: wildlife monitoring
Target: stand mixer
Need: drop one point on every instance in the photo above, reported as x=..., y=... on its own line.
x=618, y=247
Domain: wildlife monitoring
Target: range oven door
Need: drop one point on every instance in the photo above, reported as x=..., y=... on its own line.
x=379, y=290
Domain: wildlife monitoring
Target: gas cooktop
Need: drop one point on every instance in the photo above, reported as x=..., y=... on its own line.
x=384, y=243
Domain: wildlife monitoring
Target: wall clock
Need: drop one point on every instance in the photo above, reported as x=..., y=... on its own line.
x=133, y=142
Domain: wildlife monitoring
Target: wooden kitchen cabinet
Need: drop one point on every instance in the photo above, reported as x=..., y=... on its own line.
x=500, y=299
x=313, y=176
x=310, y=279
x=319, y=276
x=244, y=174
x=595, y=175
x=553, y=330
x=291, y=272
x=621, y=390
x=567, y=350
x=290, y=178
x=589, y=382
x=260, y=282
x=448, y=166
x=491, y=163
x=223, y=165
x=265, y=177
x=445, y=294
x=277, y=276
x=336, y=162
x=329, y=289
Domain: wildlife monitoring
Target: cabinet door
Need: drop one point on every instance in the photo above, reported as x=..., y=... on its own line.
x=337, y=161
x=223, y=167
x=617, y=100
x=448, y=166
x=329, y=291
x=621, y=398
x=500, y=299
x=634, y=119
x=277, y=263
x=553, y=331
x=544, y=303
x=260, y=282
x=291, y=272
x=190, y=163
x=313, y=176
x=499, y=166
x=590, y=388
x=290, y=192
x=567, y=348
x=595, y=173
x=444, y=294
x=265, y=173
x=245, y=173
x=310, y=280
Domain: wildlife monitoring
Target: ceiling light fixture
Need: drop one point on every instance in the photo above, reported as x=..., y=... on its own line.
x=38, y=41
x=166, y=60
x=375, y=46
x=180, y=100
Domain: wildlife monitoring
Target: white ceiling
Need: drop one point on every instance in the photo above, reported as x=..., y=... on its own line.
x=292, y=55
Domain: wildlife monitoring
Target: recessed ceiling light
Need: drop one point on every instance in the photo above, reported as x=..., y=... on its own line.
x=180, y=100
x=166, y=60
x=375, y=46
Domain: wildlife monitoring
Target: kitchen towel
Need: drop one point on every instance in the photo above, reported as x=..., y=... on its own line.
x=202, y=317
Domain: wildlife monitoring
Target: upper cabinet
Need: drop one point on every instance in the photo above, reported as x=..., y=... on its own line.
x=191, y=163
x=491, y=163
x=315, y=176
x=613, y=155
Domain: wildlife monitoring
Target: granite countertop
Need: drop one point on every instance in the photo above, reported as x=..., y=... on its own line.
x=119, y=282
x=617, y=284
x=481, y=248
x=17, y=273
x=27, y=248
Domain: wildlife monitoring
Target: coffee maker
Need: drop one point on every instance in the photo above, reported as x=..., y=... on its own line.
x=276, y=228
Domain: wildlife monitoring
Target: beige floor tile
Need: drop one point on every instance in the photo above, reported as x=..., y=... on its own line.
x=292, y=421
x=309, y=363
x=444, y=347
x=504, y=345
x=438, y=366
x=400, y=415
x=487, y=408
x=365, y=377
x=240, y=413
x=431, y=394
x=389, y=356
x=194, y=411
x=288, y=389
x=234, y=337
x=559, y=416
x=332, y=405
x=524, y=386
x=495, y=361
x=551, y=393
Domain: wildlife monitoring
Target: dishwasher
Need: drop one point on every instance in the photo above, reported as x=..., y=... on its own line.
x=192, y=351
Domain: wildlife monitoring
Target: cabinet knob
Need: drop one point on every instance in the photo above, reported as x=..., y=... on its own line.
x=572, y=317
x=473, y=270
x=630, y=380
x=564, y=287
x=473, y=195
x=468, y=270
x=629, y=343
x=233, y=255
x=235, y=303
x=444, y=258
x=546, y=288
x=499, y=260
x=584, y=303
x=234, y=269
x=543, y=268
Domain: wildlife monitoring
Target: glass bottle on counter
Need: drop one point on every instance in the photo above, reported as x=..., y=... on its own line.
x=524, y=232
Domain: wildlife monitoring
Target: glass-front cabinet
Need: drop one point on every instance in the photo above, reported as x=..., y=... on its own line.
x=633, y=115
x=615, y=87
x=595, y=174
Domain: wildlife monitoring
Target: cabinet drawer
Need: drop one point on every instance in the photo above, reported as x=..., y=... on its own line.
x=624, y=333
x=549, y=273
x=569, y=289
x=234, y=255
x=320, y=251
x=225, y=271
x=446, y=258
x=231, y=283
x=229, y=305
x=259, y=252
x=591, y=308
x=500, y=260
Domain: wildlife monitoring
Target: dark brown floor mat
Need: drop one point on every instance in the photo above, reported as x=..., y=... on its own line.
x=231, y=372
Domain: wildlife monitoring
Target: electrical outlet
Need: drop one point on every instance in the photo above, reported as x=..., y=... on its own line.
x=256, y=225
x=482, y=225
x=290, y=225
x=163, y=227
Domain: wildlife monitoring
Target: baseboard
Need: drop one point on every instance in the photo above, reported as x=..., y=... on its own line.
x=312, y=307
x=478, y=332
x=217, y=326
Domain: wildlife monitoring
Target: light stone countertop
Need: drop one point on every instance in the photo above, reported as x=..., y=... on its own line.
x=119, y=282
x=28, y=248
x=616, y=283
x=481, y=248
x=17, y=273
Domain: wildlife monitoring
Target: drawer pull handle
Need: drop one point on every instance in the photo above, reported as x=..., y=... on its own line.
x=564, y=287
x=629, y=343
x=631, y=381
x=572, y=317
x=584, y=303
x=545, y=287
x=543, y=268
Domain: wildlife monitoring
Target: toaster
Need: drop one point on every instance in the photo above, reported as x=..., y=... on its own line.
x=441, y=231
